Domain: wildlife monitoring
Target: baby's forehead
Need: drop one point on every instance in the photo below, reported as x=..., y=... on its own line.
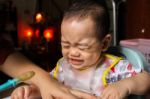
x=87, y=22
x=80, y=19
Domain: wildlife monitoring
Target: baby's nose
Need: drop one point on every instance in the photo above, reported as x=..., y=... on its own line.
x=74, y=52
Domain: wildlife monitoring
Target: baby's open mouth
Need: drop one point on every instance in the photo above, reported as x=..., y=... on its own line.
x=75, y=61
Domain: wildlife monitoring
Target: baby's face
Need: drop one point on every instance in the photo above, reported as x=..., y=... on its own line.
x=79, y=44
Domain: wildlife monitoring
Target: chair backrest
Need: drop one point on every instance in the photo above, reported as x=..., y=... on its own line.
x=133, y=55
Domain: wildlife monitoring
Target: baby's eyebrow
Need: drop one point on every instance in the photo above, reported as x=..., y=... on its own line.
x=83, y=44
x=62, y=41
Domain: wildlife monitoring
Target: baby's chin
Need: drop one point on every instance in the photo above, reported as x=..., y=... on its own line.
x=80, y=67
x=77, y=67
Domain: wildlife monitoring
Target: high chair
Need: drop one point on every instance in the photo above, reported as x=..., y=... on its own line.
x=135, y=57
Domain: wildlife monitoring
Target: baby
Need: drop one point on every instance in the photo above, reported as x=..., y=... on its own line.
x=85, y=66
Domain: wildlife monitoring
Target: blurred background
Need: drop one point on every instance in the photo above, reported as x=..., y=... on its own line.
x=33, y=26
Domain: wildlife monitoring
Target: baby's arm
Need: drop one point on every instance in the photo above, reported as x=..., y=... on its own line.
x=26, y=92
x=126, y=79
x=138, y=85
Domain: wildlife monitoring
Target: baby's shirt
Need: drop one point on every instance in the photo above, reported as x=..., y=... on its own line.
x=110, y=69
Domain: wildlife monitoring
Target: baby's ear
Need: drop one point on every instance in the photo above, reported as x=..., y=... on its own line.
x=106, y=42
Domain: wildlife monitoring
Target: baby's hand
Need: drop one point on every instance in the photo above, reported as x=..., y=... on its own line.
x=115, y=91
x=22, y=92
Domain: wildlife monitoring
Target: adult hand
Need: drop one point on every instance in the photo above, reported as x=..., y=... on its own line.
x=54, y=90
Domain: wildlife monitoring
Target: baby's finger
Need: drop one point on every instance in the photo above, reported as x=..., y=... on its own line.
x=104, y=95
x=14, y=97
x=27, y=91
x=116, y=97
x=20, y=94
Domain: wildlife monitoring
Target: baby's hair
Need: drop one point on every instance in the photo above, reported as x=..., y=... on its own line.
x=96, y=10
